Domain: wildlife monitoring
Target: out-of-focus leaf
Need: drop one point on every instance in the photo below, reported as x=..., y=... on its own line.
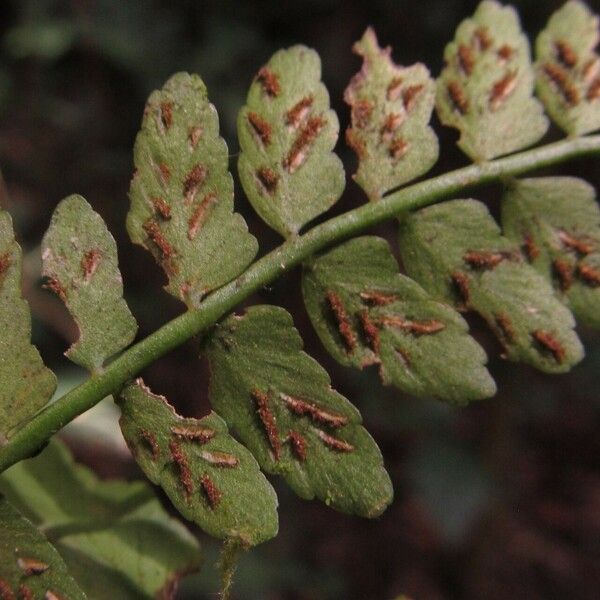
x=30, y=567
x=80, y=261
x=211, y=479
x=568, y=68
x=117, y=540
x=25, y=383
x=48, y=39
x=557, y=222
x=456, y=252
x=391, y=109
x=287, y=132
x=279, y=401
x=366, y=313
x=486, y=87
x=182, y=193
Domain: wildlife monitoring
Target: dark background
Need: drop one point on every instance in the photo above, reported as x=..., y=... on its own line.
x=498, y=500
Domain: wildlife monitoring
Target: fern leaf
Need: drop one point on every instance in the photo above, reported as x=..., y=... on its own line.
x=287, y=132
x=182, y=193
x=456, y=252
x=280, y=403
x=486, y=88
x=30, y=567
x=25, y=383
x=557, y=222
x=391, y=108
x=366, y=313
x=211, y=479
x=568, y=68
x=80, y=261
x=114, y=536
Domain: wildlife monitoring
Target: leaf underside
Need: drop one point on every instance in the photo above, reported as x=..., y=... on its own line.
x=210, y=478
x=25, y=383
x=30, y=567
x=280, y=403
x=286, y=133
x=486, y=88
x=456, y=252
x=80, y=261
x=115, y=537
x=568, y=68
x=556, y=220
x=366, y=312
x=182, y=193
x=391, y=108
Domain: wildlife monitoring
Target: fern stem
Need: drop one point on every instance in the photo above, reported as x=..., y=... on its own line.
x=38, y=431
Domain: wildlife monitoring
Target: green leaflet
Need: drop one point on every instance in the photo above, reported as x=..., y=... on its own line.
x=80, y=261
x=557, y=222
x=455, y=251
x=210, y=478
x=486, y=88
x=182, y=193
x=366, y=313
x=117, y=540
x=279, y=401
x=25, y=383
x=29, y=565
x=568, y=69
x=391, y=109
x=287, y=132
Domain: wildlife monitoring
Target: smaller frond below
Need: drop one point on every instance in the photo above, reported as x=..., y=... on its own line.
x=80, y=263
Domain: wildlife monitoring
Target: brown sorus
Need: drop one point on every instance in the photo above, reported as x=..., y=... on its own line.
x=505, y=325
x=483, y=260
x=356, y=143
x=393, y=89
x=335, y=443
x=458, y=97
x=260, y=127
x=194, y=135
x=378, y=298
x=404, y=356
x=32, y=566
x=506, y=52
x=565, y=53
x=299, y=111
x=150, y=440
x=267, y=418
x=154, y=233
x=589, y=275
x=25, y=592
x=502, y=89
x=166, y=114
x=90, y=262
x=194, y=179
x=6, y=592
x=361, y=113
x=161, y=208
x=53, y=596
x=165, y=172
x=580, y=245
x=318, y=415
x=269, y=82
x=591, y=69
x=342, y=320
x=370, y=330
x=550, y=344
x=54, y=285
x=593, y=92
x=414, y=327
x=4, y=262
x=482, y=38
x=298, y=444
x=306, y=136
x=185, y=474
x=193, y=432
x=268, y=178
x=211, y=491
x=409, y=96
x=398, y=148
x=460, y=281
x=530, y=248
x=466, y=59
x=559, y=76
x=390, y=124
x=200, y=214
x=564, y=272
x=220, y=459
